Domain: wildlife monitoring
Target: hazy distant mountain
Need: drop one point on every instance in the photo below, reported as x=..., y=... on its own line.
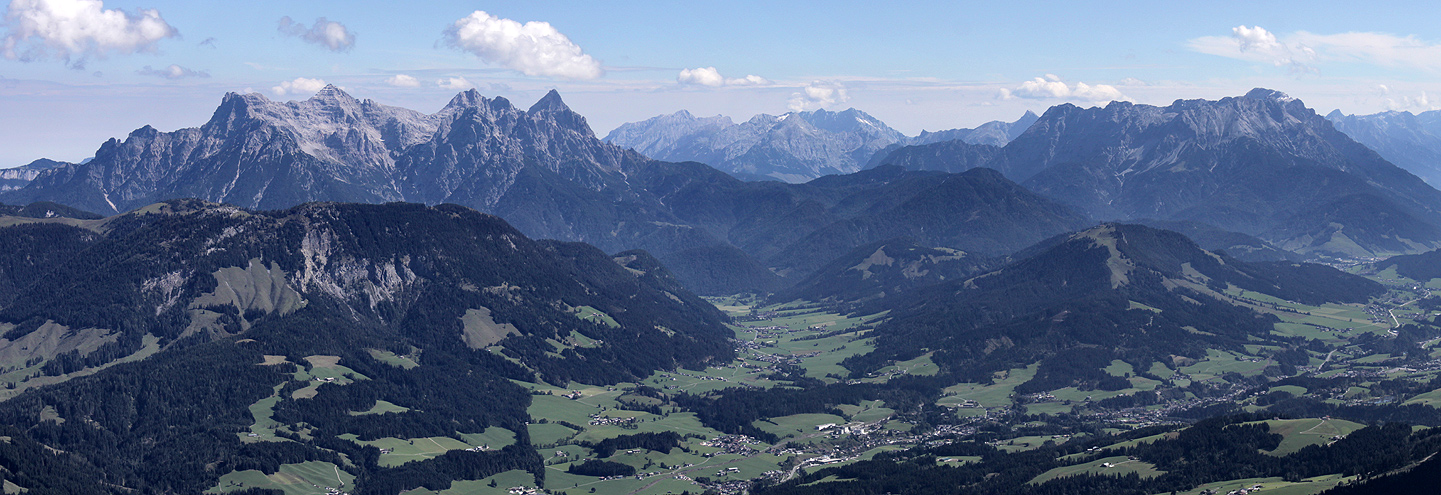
x=795, y=229
x=1412, y=142
x=16, y=178
x=946, y=156
x=794, y=147
x=1246, y=164
x=993, y=133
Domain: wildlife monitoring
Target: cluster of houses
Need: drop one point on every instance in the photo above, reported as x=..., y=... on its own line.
x=598, y=420
x=732, y=444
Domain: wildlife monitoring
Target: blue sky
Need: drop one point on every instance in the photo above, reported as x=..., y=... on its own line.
x=77, y=72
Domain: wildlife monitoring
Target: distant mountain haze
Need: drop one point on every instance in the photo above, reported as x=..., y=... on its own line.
x=1411, y=141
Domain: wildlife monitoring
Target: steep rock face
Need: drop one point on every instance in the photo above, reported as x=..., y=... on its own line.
x=542, y=168
x=259, y=153
x=16, y=178
x=1412, y=142
x=253, y=152
x=1245, y=164
x=794, y=147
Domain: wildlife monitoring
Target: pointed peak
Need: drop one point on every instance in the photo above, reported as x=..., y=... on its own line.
x=332, y=93
x=466, y=99
x=1335, y=115
x=684, y=114
x=551, y=102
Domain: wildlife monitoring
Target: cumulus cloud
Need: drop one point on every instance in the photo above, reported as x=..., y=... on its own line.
x=402, y=81
x=709, y=76
x=330, y=34
x=75, y=30
x=534, y=48
x=172, y=72
x=454, y=83
x=1052, y=87
x=704, y=76
x=818, y=94
x=299, y=86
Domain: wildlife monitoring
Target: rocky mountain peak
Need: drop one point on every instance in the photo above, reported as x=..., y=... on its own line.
x=551, y=102
x=1268, y=94
x=469, y=98
x=552, y=108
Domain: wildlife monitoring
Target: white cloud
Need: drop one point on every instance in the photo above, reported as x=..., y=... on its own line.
x=330, y=34
x=455, y=83
x=1131, y=81
x=74, y=30
x=709, y=76
x=818, y=94
x=172, y=72
x=300, y=85
x=1302, y=51
x=534, y=48
x=402, y=81
x=704, y=76
x=1399, y=102
x=1052, y=87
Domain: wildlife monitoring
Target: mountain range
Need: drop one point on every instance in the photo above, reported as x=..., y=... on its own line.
x=1262, y=164
x=1411, y=141
x=545, y=172
x=793, y=147
x=993, y=134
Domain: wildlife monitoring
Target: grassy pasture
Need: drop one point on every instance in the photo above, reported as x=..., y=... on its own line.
x=306, y=478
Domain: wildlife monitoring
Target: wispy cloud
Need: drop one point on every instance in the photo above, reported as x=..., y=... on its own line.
x=76, y=30
x=1052, y=87
x=332, y=35
x=1303, y=51
x=173, y=72
x=534, y=48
